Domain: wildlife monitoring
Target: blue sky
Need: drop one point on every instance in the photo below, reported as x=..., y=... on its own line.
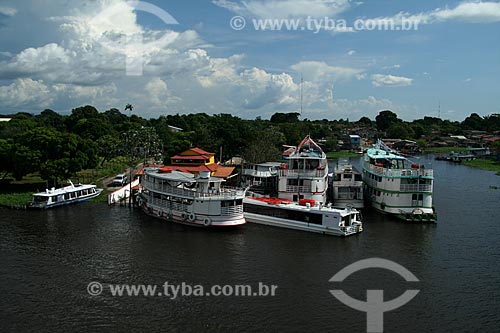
x=63, y=54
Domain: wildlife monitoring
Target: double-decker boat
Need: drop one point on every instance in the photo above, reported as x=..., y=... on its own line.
x=397, y=186
x=346, y=186
x=67, y=195
x=304, y=174
x=307, y=215
x=197, y=200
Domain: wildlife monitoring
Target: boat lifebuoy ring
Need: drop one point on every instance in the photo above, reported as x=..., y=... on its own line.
x=184, y=216
x=158, y=213
x=191, y=217
x=207, y=221
x=139, y=201
x=417, y=211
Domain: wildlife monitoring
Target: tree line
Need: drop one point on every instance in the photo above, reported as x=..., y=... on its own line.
x=57, y=146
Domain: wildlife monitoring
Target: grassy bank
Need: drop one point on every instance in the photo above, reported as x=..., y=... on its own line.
x=16, y=193
x=341, y=154
x=15, y=199
x=483, y=164
x=445, y=150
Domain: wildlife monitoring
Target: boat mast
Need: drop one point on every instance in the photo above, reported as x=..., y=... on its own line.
x=301, y=93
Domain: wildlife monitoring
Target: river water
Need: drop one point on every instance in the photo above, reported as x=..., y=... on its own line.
x=48, y=259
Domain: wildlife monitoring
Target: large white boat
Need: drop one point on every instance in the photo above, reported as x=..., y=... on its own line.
x=261, y=178
x=197, y=200
x=346, y=186
x=395, y=185
x=306, y=215
x=304, y=175
x=64, y=196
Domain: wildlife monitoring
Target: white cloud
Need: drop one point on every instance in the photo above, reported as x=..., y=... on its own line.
x=381, y=80
x=469, y=12
x=396, y=66
x=24, y=92
x=472, y=12
x=286, y=8
x=320, y=71
x=8, y=11
x=468, y=79
x=351, y=52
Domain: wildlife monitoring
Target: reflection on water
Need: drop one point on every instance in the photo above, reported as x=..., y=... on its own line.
x=49, y=257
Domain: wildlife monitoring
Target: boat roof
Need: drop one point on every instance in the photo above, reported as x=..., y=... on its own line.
x=308, y=149
x=296, y=206
x=178, y=176
x=377, y=153
x=267, y=164
x=62, y=190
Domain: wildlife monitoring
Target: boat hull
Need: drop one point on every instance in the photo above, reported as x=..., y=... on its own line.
x=413, y=215
x=341, y=204
x=190, y=219
x=291, y=224
x=65, y=202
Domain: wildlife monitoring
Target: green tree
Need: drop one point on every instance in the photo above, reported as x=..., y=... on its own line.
x=400, y=130
x=385, y=119
x=285, y=117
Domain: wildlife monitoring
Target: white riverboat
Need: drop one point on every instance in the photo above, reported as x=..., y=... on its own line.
x=346, y=186
x=307, y=215
x=304, y=174
x=394, y=185
x=197, y=200
x=64, y=196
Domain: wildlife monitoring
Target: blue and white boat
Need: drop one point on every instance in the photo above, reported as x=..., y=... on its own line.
x=395, y=185
x=64, y=196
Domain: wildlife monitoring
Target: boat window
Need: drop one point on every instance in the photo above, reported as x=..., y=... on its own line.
x=347, y=176
x=306, y=217
x=40, y=199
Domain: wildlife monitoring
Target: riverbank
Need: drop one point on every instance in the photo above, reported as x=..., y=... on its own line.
x=16, y=194
x=445, y=150
x=341, y=154
x=483, y=164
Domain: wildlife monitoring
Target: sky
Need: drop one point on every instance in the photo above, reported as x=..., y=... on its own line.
x=331, y=59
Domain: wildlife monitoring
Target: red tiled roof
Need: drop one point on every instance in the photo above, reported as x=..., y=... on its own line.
x=495, y=138
x=216, y=169
x=190, y=157
x=223, y=171
x=197, y=151
x=190, y=169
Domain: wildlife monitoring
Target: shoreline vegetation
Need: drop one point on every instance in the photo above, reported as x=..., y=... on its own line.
x=16, y=194
x=89, y=146
x=484, y=164
x=341, y=154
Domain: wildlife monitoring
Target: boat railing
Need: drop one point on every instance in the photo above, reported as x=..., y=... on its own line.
x=350, y=195
x=399, y=172
x=232, y=211
x=303, y=173
x=257, y=173
x=348, y=183
x=169, y=205
x=416, y=188
x=223, y=193
x=298, y=189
